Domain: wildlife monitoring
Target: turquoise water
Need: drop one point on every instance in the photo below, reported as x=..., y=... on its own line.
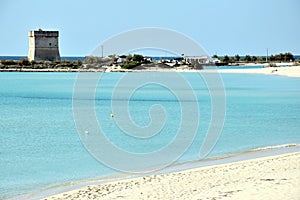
x=40, y=147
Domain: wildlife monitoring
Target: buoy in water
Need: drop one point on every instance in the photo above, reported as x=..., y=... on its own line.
x=112, y=115
x=86, y=132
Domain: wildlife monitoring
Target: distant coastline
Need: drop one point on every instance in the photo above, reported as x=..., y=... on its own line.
x=292, y=71
x=74, y=58
x=155, y=64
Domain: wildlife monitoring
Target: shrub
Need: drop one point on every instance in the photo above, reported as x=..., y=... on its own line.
x=131, y=65
x=9, y=62
x=138, y=58
x=128, y=58
x=91, y=59
x=79, y=62
x=24, y=61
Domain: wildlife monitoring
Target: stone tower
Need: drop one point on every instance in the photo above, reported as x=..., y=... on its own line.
x=43, y=45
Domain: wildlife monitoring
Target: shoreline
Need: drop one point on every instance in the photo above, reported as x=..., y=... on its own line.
x=289, y=71
x=292, y=71
x=253, y=154
x=274, y=177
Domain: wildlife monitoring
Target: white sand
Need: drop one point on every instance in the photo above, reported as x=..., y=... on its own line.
x=276, y=177
x=293, y=71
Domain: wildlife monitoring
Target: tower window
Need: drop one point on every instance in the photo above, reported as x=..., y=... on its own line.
x=50, y=44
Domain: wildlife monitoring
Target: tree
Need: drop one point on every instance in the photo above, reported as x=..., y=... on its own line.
x=128, y=58
x=24, y=62
x=138, y=58
x=237, y=57
x=79, y=62
x=215, y=56
x=225, y=59
x=289, y=57
x=231, y=59
x=279, y=57
x=260, y=59
x=282, y=57
x=254, y=58
x=247, y=58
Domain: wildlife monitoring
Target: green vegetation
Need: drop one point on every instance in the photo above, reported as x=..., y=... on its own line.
x=23, y=62
x=286, y=57
x=131, y=64
x=237, y=57
x=228, y=59
x=79, y=62
x=92, y=59
x=247, y=58
x=26, y=64
x=137, y=58
x=282, y=57
x=225, y=59
x=260, y=59
x=215, y=56
x=132, y=61
x=68, y=64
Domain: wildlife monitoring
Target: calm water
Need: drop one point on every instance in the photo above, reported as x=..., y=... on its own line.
x=40, y=147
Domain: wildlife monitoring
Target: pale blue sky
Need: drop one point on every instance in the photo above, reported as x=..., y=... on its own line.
x=222, y=26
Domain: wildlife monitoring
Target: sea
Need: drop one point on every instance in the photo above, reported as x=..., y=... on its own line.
x=68, y=58
x=41, y=149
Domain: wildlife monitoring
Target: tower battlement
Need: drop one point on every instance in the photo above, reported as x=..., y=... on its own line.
x=43, y=45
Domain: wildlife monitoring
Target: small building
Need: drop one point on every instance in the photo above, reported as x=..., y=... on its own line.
x=197, y=61
x=43, y=45
x=121, y=58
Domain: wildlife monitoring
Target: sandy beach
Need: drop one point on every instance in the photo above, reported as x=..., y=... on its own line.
x=290, y=71
x=275, y=177
x=293, y=71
